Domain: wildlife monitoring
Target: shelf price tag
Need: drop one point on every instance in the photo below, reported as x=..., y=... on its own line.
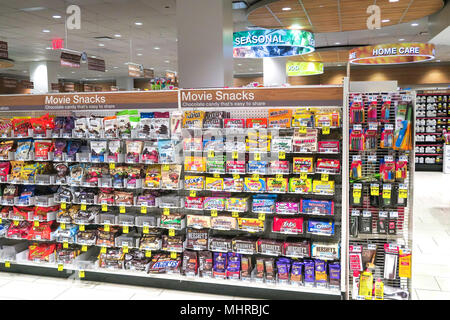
x=262, y=216
x=106, y=227
x=324, y=177
x=63, y=226
x=81, y=227
x=211, y=154
x=166, y=167
x=255, y=176
x=213, y=213
x=192, y=193
x=145, y=230
x=104, y=207
x=235, y=214
x=16, y=222
x=173, y=255
x=83, y=207
x=257, y=156
x=36, y=223
x=403, y=193
x=216, y=175
x=125, y=229
x=166, y=211
x=7, y=264
x=84, y=248
x=122, y=209
x=65, y=245
x=326, y=130
x=103, y=250
x=171, y=232
x=112, y=166
x=63, y=205
x=144, y=209
x=374, y=190
x=281, y=155
x=234, y=155
x=302, y=129
x=279, y=176
x=236, y=176
x=148, y=253
x=60, y=267
x=81, y=274
x=0, y=220
x=125, y=249
x=303, y=176
x=386, y=193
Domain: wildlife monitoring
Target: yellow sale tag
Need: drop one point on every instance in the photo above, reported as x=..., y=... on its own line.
x=112, y=166
x=326, y=130
x=65, y=245
x=171, y=232
x=84, y=248
x=125, y=229
x=257, y=156
x=216, y=175
x=143, y=209
x=7, y=264
x=236, y=176
x=0, y=220
x=166, y=211
x=235, y=214
x=148, y=254
x=214, y=213
x=173, y=255
x=356, y=193
x=192, y=193
x=106, y=227
x=166, y=167
x=83, y=207
x=103, y=250
x=81, y=274
x=63, y=205
x=122, y=209
x=36, y=223
x=145, y=229
x=324, y=177
x=386, y=194
x=60, y=267
x=125, y=249
x=235, y=154
x=302, y=129
x=262, y=216
x=16, y=222
x=281, y=155
x=104, y=207
x=255, y=176
x=303, y=176
x=374, y=191
x=81, y=227
x=211, y=154
x=279, y=176
x=403, y=193
x=63, y=226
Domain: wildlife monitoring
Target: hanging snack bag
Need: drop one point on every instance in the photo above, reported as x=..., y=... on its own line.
x=5, y=128
x=23, y=150
x=123, y=123
x=5, y=148
x=114, y=149
x=95, y=126
x=42, y=148
x=98, y=150
x=21, y=126
x=133, y=149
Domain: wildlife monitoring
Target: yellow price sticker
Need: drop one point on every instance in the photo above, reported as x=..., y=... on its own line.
x=125, y=229
x=357, y=193
x=374, y=191
x=60, y=267
x=166, y=167
x=262, y=216
x=16, y=222
x=104, y=207
x=236, y=176
x=192, y=193
x=173, y=255
x=281, y=155
x=303, y=176
x=144, y=209
x=125, y=249
x=216, y=175
x=106, y=227
x=84, y=248
x=255, y=176
x=214, y=213
x=36, y=223
x=0, y=220
x=112, y=166
x=81, y=274
x=403, y=193
x=122, y=209
x=171, y=232
x=326, y=130
x=63, y=226
x=103, y=250
x=81, y=227
x=63, y=205
x=211, y=154
x=83, y=207
x=145, y=230
x=324, y=177
x=7, y=264
x=257, y=156
x=148, y=253
x=65, y=245
x=302, y=129
x=386, y=194
x=235, y=214
x=235, y=155
x=279, y=176
x=166, y=211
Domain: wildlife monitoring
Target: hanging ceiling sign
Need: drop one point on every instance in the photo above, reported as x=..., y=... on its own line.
x=70, y=60
x=149, y=73
x=27, y=84
x=96, y=64
x=135, y=70
x=297, y=69
x=3, y=50
x=9, y=82
x=396, y=53
x=272, y=43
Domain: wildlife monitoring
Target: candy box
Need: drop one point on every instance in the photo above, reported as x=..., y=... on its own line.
x=254, y=185
x=214, y=184
x=277, y=185
x=270, y=247
x=297, y=185
x=279, y=166
x=193, y=144
x=235, y=166
x=236, y=204
x=286, y=207
x=195, y=164
x=281, y=144
x=214, y=203
x=253, y=224
x=257, y=166
x=234, y=185
x=318, y=207
x=215, y=164
x=328, y=146
x=288, y=225
x=305, y=142
x=194, y=182
x=257, y=123
x=244, y=245
x=297, y=249
x=194, y=203
x=195, y=221
x=279, y=118
x=323, y=187
x=234, y=123
x=302, y=164
x=302, y=118
x=223, y=222
x=197, y=239
x=325, y=250
x=321, y=227
x=264, y=203
x=328, y=165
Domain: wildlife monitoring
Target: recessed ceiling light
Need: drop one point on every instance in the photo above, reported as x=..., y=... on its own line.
x=115, y=67
x=239, y=64
x=73, y=71
x=167, y=61
x=286, y=9
x=415, y=24
x=56, y=16
x=101, y=45
x=401, y=39
x=393, y=0
x=438, y=60
x=156, y=48
x=94, y=57
x=138, y=23
x=49, y=48
x=25, y=71
x=32, y=9
x=385, y=20
x=139, y=54
x=251, y=69
x=117, y=35
x=337, y=43
x=46, y=30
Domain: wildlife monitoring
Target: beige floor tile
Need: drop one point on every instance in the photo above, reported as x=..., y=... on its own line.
x=433, y=295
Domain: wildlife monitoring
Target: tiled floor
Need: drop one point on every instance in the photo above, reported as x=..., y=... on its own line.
x=431, y=259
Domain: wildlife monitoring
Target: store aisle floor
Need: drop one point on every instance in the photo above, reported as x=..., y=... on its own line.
x=431, y=240
x=431, y=260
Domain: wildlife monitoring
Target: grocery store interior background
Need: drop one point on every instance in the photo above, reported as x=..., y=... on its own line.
x=103, y=46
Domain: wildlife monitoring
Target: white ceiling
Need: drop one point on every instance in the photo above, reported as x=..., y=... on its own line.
x=23, y=32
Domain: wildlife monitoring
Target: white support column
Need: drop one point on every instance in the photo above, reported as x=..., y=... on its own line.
x=125, y=83
x=274, y=71
x=205, y=43
x=43, y=74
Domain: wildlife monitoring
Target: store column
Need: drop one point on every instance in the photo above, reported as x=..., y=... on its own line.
x=125, y=83
x=43, y=74
x=274, y=71
x=205, y=43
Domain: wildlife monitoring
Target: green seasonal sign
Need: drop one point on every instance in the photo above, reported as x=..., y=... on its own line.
x=272, y=43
